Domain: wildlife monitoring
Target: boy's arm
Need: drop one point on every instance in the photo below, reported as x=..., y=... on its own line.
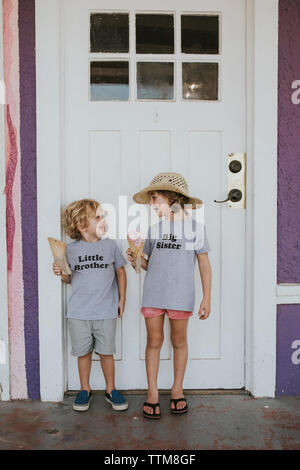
x=66, y=278
x=57, y=270
x=206, y=275
x=121, y=279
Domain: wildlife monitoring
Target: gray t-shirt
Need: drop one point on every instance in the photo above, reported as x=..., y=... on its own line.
x=172, y=247
x=95, y=294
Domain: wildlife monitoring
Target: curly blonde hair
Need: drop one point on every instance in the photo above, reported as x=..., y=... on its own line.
x=77, y=213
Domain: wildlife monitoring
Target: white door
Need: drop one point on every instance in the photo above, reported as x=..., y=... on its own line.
x=151, y=87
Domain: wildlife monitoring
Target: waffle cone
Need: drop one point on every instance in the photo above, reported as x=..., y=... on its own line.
x=58, y=249
x=136, y=254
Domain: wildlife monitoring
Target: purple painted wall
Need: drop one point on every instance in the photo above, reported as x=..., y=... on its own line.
x=288, y=350
x=288, y=229
x=29, y=192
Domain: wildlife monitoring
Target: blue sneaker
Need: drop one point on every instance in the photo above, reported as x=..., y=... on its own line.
x=82, y=400
x=116, y=400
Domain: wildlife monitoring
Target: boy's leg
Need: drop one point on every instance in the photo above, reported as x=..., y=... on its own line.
x=82, y=347
x=84, y=369
x=104, y=332
x=155, y=339
x=180, y=349
x=108, y=367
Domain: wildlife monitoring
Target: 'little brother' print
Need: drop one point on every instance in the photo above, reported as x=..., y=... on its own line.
x=84, y=259
x=94, y=285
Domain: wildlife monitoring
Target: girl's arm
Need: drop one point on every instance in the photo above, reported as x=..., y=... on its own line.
x=144, y=262
x=206, y=275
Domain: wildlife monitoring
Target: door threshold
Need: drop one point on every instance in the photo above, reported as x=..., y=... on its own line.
x=218, y=391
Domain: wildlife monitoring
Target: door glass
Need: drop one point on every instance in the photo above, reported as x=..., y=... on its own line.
x=109, y=80
x=109, y=32
x=200, y=34
x=200, y=81
x=154, y=34
x=155, y=80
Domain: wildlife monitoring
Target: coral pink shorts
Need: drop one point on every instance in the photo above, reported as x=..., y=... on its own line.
x=150, y=312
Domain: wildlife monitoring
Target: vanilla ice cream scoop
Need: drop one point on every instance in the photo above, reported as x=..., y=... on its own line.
x=136, y=238
x=136, y=243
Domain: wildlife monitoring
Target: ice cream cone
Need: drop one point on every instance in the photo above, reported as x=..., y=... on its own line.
x=136, y=245
x=58, y=249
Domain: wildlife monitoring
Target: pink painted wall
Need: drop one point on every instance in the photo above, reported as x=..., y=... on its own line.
x=13, y=195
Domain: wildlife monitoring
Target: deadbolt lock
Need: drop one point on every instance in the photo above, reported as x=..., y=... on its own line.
x=235, y=166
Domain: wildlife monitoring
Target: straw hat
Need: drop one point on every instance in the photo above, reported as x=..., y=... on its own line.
x=167, y=182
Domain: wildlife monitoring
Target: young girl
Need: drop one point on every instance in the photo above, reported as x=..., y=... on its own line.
x=172, y=247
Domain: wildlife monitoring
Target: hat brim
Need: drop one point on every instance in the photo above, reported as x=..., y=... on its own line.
x=142, y=197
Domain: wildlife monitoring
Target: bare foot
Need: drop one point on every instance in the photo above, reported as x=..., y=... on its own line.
x=152, y=397
x=175, y=395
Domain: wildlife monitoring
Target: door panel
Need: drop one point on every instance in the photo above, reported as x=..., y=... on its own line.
x=114, y=144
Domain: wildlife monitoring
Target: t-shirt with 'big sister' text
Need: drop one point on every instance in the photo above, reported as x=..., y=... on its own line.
x=172, y=247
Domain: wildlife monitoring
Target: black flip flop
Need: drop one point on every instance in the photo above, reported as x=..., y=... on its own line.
x=153, y=415
x=176, y=411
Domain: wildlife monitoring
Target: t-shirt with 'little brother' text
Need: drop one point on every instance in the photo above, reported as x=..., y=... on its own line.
x=95, y=294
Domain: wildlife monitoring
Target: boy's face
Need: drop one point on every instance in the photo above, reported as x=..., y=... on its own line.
x=159, y=203
x=96, y=225
x=100, y=222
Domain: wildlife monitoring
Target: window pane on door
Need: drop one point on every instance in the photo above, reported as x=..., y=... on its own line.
x=200, y=80
x=109, y=32
x=155, y=80
x=109, y=81
x=200, y=34
x=154, y=34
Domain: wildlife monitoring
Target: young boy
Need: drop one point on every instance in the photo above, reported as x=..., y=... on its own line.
x=98, y=281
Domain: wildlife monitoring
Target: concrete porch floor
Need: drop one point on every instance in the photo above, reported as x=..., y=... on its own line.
x=216, y=421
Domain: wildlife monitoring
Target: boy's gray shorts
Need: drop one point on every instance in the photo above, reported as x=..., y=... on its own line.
x=87, y=335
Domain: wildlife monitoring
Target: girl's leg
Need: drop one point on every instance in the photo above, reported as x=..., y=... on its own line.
x=108, y=367
x=180, y=349
x=155, y=339
x=84, y=369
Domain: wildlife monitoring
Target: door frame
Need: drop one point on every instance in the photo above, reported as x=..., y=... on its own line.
x=261, y=148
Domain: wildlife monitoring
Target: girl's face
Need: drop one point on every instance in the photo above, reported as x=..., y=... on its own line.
x=159, y=203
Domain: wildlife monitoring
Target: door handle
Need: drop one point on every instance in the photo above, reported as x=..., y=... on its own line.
x=236, y=181
x=234, y=195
